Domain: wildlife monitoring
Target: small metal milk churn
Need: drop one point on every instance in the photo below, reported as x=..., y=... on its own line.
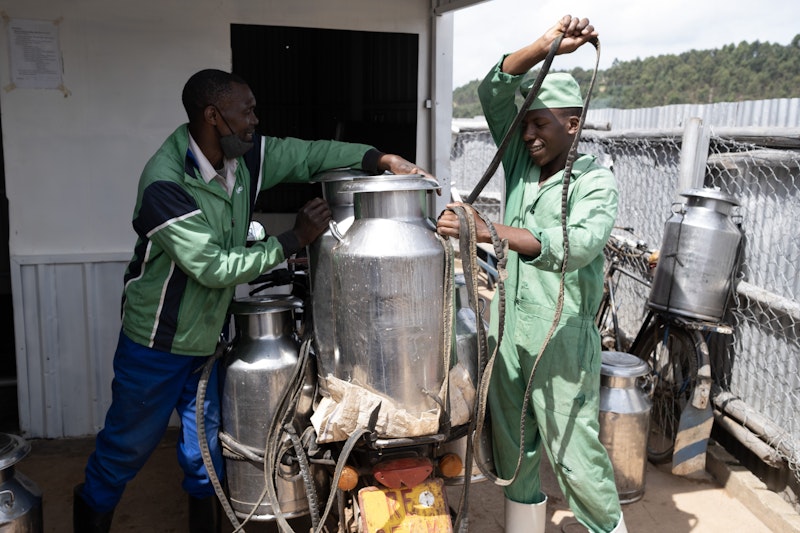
x=466, y=339
x=697, y=257
x=20, y=498
x=257, y=373
x=625, y=403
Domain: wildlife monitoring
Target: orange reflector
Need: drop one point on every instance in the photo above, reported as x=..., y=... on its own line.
x=349, y=478
x=450, y=465
x=408, y=472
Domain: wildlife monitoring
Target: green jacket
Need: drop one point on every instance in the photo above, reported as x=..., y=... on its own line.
x=533, y=283
x=190, y=252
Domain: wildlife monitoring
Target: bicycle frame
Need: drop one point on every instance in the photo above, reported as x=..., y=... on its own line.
x=616, y=254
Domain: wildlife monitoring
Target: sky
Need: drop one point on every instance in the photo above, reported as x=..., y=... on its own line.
x=629, y=29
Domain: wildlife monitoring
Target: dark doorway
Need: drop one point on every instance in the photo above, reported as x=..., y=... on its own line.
x=9, y=414
x=354, y=86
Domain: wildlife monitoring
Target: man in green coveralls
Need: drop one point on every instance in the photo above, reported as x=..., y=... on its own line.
x=562, y=416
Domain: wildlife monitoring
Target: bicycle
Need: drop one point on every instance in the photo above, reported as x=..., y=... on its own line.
x=673, y=346
x=628, y=260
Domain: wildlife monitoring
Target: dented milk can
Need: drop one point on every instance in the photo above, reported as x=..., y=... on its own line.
x=625, y=403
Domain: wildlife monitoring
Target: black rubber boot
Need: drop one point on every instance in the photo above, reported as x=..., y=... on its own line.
x=85, y=519
x=205, y=515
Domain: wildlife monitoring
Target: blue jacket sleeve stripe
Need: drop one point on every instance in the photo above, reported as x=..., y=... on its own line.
x=163, y=202
x=167, y=319
x=136, y=264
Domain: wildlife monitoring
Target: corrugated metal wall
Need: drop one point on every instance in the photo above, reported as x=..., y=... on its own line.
x=70, y=324
x=62, y=206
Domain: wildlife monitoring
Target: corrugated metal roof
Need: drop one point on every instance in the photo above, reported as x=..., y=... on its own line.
x=781, y=112
x=776, y=113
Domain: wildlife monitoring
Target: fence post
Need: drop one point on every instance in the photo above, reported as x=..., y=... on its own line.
x=694, y=153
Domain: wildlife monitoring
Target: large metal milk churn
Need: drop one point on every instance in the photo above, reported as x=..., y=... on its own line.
x=257, y=373
x=697, y=257
x=388, y=293
x=20, y=498
x=625, y=403
x=320, y=266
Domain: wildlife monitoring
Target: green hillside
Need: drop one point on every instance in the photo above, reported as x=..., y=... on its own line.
x=735, y=72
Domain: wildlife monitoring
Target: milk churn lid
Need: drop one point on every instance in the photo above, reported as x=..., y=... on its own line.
x=252, y=305
x=12, y=449
x=711, y=194
x=390, y=182
x=340, y=174
x=620, y=364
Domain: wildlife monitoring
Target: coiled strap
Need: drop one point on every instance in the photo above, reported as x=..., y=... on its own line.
x=223, y=349
x=468, y=244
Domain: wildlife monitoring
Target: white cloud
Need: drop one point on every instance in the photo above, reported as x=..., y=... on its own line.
x=628, y=29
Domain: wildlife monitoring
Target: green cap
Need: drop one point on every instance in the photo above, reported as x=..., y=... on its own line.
x=558, y=90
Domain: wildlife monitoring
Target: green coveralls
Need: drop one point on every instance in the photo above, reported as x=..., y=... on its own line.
x=564, y=405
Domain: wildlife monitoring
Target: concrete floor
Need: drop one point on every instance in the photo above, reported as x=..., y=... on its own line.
x=154, y=502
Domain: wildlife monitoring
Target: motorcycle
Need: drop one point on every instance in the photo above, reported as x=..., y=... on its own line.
x=353, y=381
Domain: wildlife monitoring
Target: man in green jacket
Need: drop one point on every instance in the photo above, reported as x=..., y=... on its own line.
x=194, y=205
x=562, y=416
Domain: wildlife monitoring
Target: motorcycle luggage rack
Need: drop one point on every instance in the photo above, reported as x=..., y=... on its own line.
x=400, y=442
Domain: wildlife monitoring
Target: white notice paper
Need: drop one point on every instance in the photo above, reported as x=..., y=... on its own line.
x=35, y=54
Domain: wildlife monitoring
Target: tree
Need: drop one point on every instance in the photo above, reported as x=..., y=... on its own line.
x=734, y=72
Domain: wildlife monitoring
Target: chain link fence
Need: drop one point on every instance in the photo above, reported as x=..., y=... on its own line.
x=470, y=156
x=759, y=365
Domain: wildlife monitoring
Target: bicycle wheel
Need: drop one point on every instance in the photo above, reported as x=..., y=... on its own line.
x=670, y=352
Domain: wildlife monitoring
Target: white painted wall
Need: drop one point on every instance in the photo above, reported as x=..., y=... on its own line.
x=72, y=164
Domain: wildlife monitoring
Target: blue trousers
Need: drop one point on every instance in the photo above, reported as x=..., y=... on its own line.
x=148, y=385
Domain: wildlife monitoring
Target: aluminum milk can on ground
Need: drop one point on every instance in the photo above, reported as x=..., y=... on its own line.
x=20, y=498
x=625, y=388
x=257, y=372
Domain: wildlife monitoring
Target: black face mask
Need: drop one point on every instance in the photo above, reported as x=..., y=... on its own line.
x=232, y=146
